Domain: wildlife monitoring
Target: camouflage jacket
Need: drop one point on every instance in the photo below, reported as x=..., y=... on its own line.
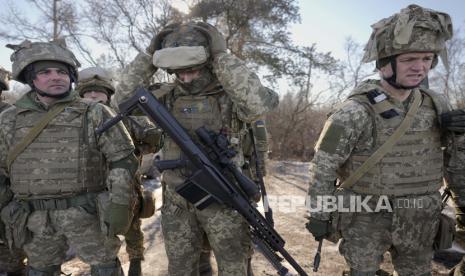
x=349, y=130
x=115, y=144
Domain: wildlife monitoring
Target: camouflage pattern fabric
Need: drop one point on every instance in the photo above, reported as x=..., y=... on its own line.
x=413, y=29
x=366, y=236
x=53, y=232
x=29, y=52
x=350, y=131
x=242, y=85
x=11, y=261
x=184, y=227
x=135, y=240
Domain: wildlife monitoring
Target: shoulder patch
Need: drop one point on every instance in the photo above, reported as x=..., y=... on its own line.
x=330, y=137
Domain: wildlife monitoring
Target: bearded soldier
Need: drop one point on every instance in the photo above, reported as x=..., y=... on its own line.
x=213, y=89
x=384, y=144
x=11, y=262
x=52, y=158
x=96, y=85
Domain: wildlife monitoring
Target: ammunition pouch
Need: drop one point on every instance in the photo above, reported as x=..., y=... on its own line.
x=446, y=233
x=147, y=205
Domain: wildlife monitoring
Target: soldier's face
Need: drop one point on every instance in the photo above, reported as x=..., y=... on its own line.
x=53, y=81
x=187, y=76
x=96, y=96
x=412, y=68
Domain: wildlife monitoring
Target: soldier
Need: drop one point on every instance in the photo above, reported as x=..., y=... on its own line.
x=404, y=171
x=214, y=89
x=258, y=129
x=52, y=158
x=11, y=262
x=96, y=85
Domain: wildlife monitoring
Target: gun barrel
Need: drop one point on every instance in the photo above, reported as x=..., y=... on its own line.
x=106, y=125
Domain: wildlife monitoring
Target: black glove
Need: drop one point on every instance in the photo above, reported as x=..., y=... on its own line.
x=320, y=229
x=454, y=120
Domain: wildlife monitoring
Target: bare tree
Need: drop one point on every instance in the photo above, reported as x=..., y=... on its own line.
x=450, y=79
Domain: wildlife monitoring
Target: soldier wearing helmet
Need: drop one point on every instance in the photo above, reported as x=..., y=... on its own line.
x=215, y=89
x=96, y=84
x=384, y=146
x=51, y=162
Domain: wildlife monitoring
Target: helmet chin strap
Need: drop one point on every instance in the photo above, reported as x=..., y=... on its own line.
x=392, y=80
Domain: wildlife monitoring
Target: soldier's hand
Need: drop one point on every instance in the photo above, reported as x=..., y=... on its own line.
x=118, y=218
x=155, y=43
x=454, y=120
x=217, y=41
x=320, y=229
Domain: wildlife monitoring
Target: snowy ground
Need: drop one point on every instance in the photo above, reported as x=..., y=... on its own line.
x=287, y=186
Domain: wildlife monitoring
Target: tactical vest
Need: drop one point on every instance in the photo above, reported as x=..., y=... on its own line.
x=62, y=161
x=214, y=110
x=414, y=165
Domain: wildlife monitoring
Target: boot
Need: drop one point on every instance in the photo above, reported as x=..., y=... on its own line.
x=135, y=267
x=107, y=269
x=54, y=270
x=205, y=267
x=459, y=269
x=21, y=272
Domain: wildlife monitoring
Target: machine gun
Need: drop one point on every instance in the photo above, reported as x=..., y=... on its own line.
x=206, y=183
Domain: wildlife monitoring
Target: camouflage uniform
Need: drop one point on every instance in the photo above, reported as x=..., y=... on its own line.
x=10, y=261
x=409, y=174
x=230, y=98
x=57, y=186
x=146, y=138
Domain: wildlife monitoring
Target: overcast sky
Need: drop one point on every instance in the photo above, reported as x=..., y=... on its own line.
x=328, y=22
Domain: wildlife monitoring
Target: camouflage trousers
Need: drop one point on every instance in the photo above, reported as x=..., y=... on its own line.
x=135, y=240
x=55, y=231
x=407, y=233
x=11, y=261
x=135, y=237
x=184, y=228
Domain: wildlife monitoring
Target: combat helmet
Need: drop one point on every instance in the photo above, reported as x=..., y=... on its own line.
x=413, y=29
x=5, y=77
x=180, y=46
x=95, y=78
x=27, y=53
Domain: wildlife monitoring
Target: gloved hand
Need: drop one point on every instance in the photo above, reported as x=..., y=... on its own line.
x=118, y=218
x=155, y=43
x=454, y=120
x=320, y=229
x=217, y=41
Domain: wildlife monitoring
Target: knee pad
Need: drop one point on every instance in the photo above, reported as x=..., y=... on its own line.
x=54, y=270
x=107, y=269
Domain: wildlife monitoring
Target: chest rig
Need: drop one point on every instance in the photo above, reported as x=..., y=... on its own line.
x=62, y=161
x=414, y=164
x=212, y=109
